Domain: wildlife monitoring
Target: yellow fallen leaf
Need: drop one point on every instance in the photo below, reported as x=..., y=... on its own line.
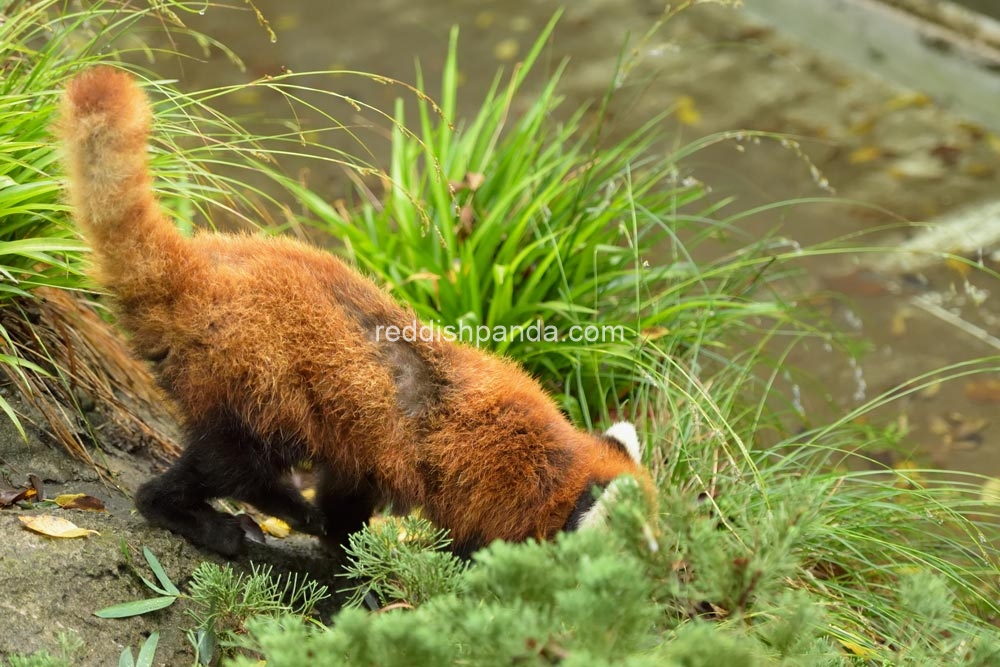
x=908, y=100
x=521, y=24
x=653, y=333
x=275, y=527
x=978, y=170
x=864, y=126
x=982, y=391
x=249, y=97
x=79, y=501
x=865, y=154
x=288, y=21
x=993, y=140
x=857, y=649
x=53, y=526
x=687, y=112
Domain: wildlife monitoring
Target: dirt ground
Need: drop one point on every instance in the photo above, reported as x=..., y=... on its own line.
x=50, y=586
x=889, y=151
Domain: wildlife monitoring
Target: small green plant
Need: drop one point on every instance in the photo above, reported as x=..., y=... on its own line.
x=167, y=592
x=146, y=653
x=42, y=44
x=400, y=561
x=198, y=156
x=505, y=223
x=223, y=601
x=70, y=645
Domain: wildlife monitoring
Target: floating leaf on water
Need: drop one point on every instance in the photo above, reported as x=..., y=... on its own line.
x=506, y=50
x=687, y=112
x=521, y=24
x=288, y=21
x=484, y=20
x=982, y=391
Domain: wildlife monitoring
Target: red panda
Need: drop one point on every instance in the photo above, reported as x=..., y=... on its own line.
x=268, y=346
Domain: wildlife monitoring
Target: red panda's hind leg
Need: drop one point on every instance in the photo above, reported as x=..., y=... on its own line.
x=346, y=505
x=178, y=501
x=226, y=463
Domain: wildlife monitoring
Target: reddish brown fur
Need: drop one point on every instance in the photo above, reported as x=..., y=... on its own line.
x=277, y=336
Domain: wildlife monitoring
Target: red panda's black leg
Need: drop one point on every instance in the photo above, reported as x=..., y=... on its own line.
x=280, y=499
x=177, y=501
x=225, y=463
x=346, y=506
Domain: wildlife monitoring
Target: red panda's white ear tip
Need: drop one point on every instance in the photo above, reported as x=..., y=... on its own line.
x=625, y=433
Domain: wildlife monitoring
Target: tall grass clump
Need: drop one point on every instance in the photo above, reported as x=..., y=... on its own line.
x=786, y=554
x=54, y=350
x=512, y=220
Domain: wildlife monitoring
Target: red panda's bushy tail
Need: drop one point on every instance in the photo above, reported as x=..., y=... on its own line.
x=104, y=127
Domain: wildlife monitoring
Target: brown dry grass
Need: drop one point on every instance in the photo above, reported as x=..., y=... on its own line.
x=90, y=370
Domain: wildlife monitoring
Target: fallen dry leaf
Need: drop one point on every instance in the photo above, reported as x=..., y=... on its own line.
x=53, y=526
x=857, y=649
x=275, y=527
x=79, y=501
x=10, y=496
x=36, y=483
x=897, y=326
x=865, y=154
x=948, y=154
x=907, y=101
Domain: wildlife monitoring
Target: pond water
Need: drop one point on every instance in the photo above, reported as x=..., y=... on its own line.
x=891, y=154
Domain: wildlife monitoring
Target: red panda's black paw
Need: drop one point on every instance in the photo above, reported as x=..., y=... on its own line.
x=226, y=538
x=311, y=522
